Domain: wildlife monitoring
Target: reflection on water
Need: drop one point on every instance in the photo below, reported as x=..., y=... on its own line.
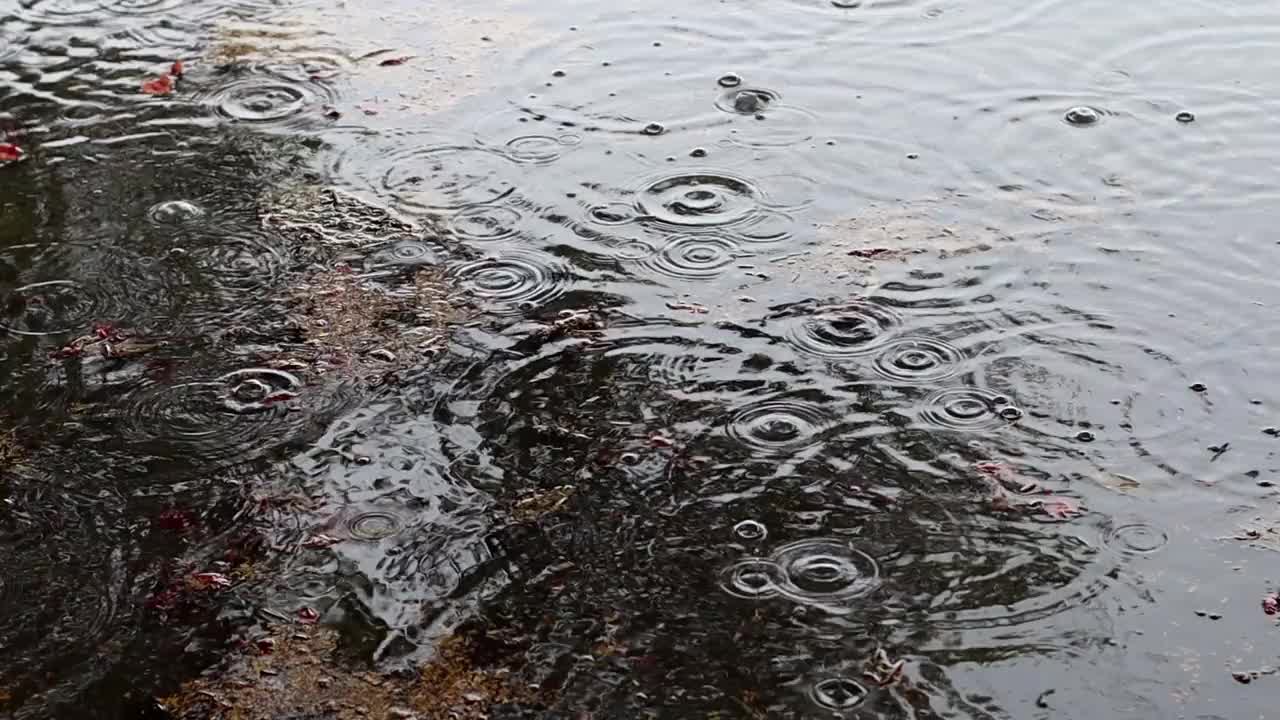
x=860, y=359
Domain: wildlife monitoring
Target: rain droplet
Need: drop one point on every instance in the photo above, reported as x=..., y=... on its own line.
x=702, y=199
x=750, y=530
x=844, y=331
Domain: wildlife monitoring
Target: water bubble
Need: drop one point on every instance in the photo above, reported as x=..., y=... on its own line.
x=702, y=199
x=746, y=101
x=175, y=212
x=844, y=331
x=653, y=128
x=838, y=693
x=1010, y=413
x=374, y=526
x=48, y=308
x=962, y=409
x=918, y=360
x=750, y=530
x=513, y=281
x=484, y=223
x=824, y=571
x=729, y=80
x=1136, y=539
x=780, y=426
x=698, y=152
x=1185, y=117
x=696, y=256
x=847, y=4
x=751, y=579
x=1085, y=436
x=1082, y=115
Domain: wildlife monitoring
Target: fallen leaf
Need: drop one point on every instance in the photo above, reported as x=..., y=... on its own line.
x=396, y=60
x=211, y=580
x=176, y=69
x=1060, y=508
x=1271, y=604
x=320, y=541
x=10, y=153
x=308, y=615
x=162, y=85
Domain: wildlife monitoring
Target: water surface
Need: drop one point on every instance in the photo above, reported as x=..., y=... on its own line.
x=801, y=338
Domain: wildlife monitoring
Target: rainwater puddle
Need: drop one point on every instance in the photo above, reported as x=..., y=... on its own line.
x=872, y=359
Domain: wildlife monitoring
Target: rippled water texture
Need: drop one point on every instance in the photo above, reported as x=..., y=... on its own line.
x=775, y=358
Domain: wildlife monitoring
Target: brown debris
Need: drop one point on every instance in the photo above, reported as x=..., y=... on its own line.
x=532, y=507
x=365, y=331
x=301, y=677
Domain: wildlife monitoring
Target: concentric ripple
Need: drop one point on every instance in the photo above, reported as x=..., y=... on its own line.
x=236, y=264
x=374, y=526
x=49, y=308
x=842, y=331
x=514, y=282
x=764, y=120
x=485, y=223
x=699, y=199
x=780, y=426
x=236, y=415
x=963, y=409
x=266, y=100
x=824, y=571
x=838, y=694
x=1136, y=539
x=696, y=257
x=918, y=360
x=752, y=579
x=747, y=100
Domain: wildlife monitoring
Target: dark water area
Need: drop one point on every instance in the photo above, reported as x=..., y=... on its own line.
x=881, y=359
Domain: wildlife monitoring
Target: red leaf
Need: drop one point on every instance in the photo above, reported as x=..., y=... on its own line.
x=1060, y=508
x=396, y=60
x=211, y=580
x=176, y=69
x=1271, y=604
x=989, y=468
x=10, y=153
x=162, y=85
x=308, y=615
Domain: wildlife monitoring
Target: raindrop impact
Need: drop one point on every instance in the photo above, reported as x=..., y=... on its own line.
x=780, y=426
x=918, y=360
x=696, y=257
x=1136, y=539
x=751, y=579
x=838, y=693
x=701, y=199
x=824, y=571
x=963, y=409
